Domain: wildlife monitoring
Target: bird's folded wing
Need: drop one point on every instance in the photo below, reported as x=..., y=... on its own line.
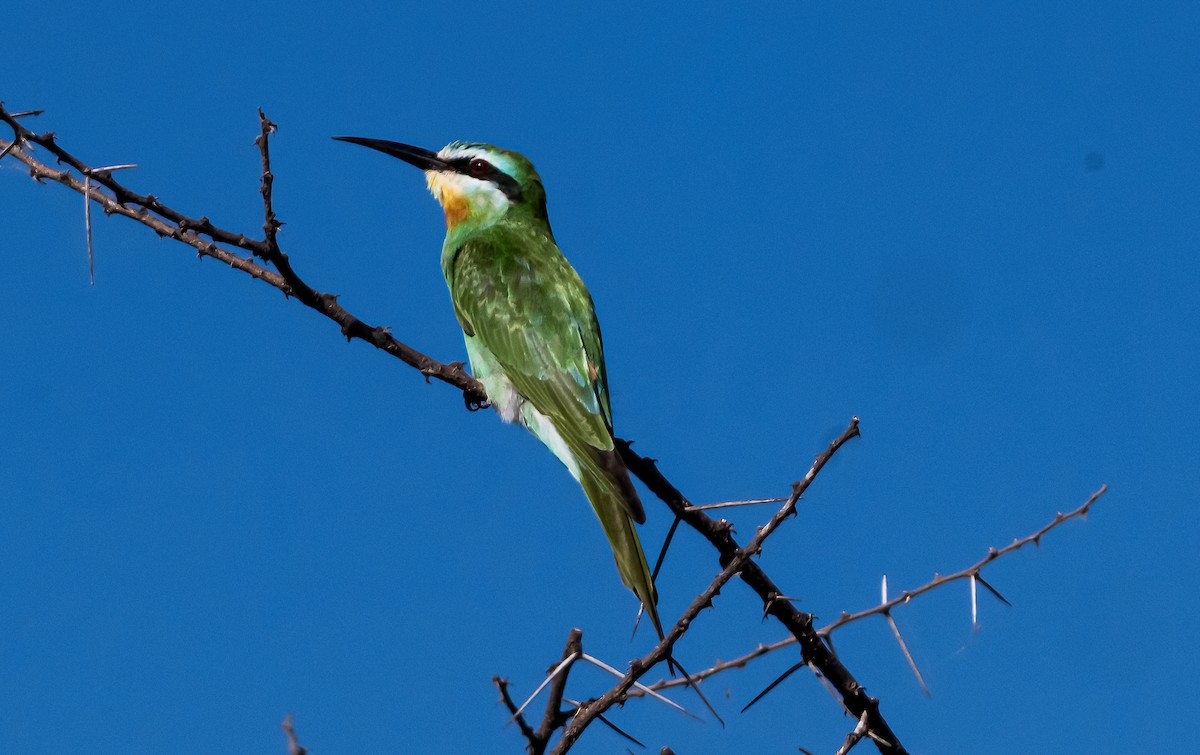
x=533, y=313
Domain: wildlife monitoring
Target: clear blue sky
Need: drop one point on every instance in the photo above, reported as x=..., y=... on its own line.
x=975, y=226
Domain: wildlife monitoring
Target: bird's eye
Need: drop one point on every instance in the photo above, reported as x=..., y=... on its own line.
x=478, y=167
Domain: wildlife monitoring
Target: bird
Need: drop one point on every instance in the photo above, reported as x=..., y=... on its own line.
x=530, y=328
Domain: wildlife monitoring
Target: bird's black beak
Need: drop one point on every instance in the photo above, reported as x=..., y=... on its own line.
x=421, y=158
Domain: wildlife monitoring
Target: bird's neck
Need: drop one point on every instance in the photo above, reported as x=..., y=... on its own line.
x=474, y=204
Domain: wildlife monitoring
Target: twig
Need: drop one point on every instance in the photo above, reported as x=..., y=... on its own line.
x=717, y=668
x=554, y=717
x=502, y=686
x=813, y=648
x=289, y=731
x=736, y=560
x=854, y=737
x=197, y=232
x=270, y=222
x=970, y=571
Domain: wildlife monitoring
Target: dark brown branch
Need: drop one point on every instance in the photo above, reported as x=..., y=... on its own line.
x=554, y=717
x=170, y=223
x=736, y=560
x=522, y=724
x=814, y=650
x=270, y=222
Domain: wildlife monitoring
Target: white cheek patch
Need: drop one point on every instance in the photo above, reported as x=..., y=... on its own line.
x=484, y=197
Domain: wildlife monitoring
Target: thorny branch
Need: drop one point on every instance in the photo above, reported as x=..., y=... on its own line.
x=554, y=717
x=735, y=561
x=205, y=237
x=971, y=572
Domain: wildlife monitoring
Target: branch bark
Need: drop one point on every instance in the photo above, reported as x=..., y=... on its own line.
x=206, y=239
x=171, y=223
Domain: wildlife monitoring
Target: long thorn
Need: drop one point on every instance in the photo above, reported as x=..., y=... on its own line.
x=912, y=664
x=776, y=683
x=662, y=553
x=604, y=666
x=562, y=666
x=87, y=224
x=734, y=504
x=620, y=731
x=672, y=663
x=993, y=591
x=974, y=602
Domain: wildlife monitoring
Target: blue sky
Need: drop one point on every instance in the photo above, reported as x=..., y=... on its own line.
x=972, y=225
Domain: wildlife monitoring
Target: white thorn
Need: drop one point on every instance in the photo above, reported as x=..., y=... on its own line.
x=108, y=169
x=974, y=603
x=557, y=670
x=602, y=665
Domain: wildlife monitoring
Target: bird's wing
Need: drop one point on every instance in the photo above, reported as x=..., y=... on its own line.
x=530, y=309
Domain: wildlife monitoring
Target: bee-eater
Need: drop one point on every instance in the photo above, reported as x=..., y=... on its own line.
x=530, y=328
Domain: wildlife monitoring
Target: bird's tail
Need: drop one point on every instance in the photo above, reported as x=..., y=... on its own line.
x=606, y=483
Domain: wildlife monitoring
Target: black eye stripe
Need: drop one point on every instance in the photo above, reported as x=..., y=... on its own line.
x=503, y=181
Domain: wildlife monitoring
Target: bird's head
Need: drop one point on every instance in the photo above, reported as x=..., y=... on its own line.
x=474, y=183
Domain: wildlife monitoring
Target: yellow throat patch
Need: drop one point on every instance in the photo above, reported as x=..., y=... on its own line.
x=454, y=203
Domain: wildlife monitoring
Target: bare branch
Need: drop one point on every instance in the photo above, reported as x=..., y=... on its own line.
x=970, y=571
x=210, y=240
x=854, y=737
x=736, y=560
x=554, y=717
x=270, y=223
x=197, y=232
x=289, y=731
x=739, y=662
x=502, y=686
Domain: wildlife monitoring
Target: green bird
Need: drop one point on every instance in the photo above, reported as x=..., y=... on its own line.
x=530, y=328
